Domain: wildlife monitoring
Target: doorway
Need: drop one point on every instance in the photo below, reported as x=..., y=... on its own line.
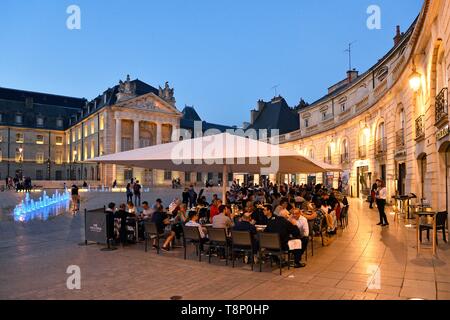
x=401, y=187
x=363, y=188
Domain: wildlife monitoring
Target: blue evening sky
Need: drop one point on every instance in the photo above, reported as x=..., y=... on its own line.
x=221, y=56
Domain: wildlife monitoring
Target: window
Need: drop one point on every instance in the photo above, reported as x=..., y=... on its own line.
x=59, y=123
x=92, y=127
x=92, y=149
x=102, y=122
x=1, y=138
x=199, y=177
x=40, y=158
x=73, y=136
x=58, y=157
x=210, y=176
x=167, y=175
x=324, y=115
x=19, y=119
x=306, y=123
x=75, y=155
x=19, y=138
x=58, y=175
x=39, y=175
x=101, y=149
x=343, y=107
x=40, y=121
x=126, y=144
x=59, y=141
x=187, y=177
x=79, y=133
x=85, y=154
x=39, y=139
x=86, y=130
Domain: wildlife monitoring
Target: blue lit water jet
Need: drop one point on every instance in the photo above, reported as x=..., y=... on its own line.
x=29, y=209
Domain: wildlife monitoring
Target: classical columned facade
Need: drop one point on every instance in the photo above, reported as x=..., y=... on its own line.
x=390, y=122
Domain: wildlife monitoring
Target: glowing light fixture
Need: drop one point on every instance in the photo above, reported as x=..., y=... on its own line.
x=415, y=80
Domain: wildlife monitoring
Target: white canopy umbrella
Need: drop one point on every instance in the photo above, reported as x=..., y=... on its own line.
x=219, y=153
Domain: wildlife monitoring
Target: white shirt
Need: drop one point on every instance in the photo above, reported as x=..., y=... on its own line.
x=382, y=194
x=196, y=224
x=302, y=224
x=147, y=213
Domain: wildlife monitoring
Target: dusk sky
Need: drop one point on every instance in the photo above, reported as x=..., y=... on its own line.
x=220, y=56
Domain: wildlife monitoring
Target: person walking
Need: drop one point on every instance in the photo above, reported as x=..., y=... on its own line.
x=137, y=194
x=129, y=193
x=381, y=203
x=75, y=198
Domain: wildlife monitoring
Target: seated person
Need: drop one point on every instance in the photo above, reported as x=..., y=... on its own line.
x=146, y=213
x=214, y=209
x=287, y=231
x=131, y=208
x=121, y=215
x=245, y=224
x=179, y=220
x=302, y=224
x=161, y=219
x=223, y=220
x=193, y=222
x=281, y=209
x=158, y=206
x=258, y=215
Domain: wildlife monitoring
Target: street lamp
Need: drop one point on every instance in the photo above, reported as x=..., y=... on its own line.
x=21, y=160
x=415, y=80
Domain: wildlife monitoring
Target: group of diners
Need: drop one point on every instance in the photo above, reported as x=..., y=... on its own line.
x=294, y=212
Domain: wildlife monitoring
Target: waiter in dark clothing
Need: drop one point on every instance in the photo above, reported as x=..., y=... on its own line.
x=287, y=232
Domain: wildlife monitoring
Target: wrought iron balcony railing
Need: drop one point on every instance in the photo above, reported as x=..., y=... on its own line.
x=362, y=151
x=400, y=139
x=420, y=127
x=327, y=159
x=381, y=147
x=345, y=158
x=441, y=109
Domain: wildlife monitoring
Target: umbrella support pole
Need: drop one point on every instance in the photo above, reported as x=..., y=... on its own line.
x=224, y=183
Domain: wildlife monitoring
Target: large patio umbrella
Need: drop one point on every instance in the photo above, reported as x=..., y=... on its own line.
x=219, y=153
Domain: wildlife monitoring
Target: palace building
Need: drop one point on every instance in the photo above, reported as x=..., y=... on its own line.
x=390, y=122
x=47, y=137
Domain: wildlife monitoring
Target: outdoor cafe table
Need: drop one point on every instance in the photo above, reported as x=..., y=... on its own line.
x=426, y=214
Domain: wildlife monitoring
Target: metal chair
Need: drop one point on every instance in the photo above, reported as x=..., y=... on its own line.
x=192, y=234
x=441, y=222
x=270, y=245
x=218, y=240
x=323, y=229
x=151, y=232
x=242, y=242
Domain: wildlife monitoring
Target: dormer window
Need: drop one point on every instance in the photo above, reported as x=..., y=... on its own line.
x=19, y=119
x=39, y=139
x=343, y=107
x=324, y=115
x=39, y=121
x=306, y=123
x=59, y=123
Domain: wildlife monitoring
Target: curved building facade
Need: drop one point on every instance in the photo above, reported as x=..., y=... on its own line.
x=391, y=122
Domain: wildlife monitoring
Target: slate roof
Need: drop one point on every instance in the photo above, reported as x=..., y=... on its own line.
x=190, y=116
x=276, y=114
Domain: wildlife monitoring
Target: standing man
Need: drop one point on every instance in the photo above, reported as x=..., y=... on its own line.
x=137, y=194
x=75, y=198
x=381, y=203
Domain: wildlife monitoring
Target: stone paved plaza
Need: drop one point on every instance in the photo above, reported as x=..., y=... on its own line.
x=34, y=257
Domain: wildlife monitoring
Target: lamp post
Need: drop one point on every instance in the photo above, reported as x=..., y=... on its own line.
x=21, y=161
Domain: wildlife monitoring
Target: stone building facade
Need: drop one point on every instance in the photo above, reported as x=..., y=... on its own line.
x=391, y=122
x=49, y=137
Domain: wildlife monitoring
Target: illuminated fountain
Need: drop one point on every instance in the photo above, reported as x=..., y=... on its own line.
x=29, y=209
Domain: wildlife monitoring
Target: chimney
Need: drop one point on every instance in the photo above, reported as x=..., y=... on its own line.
x=260, y=105
x=352, y=75
x=398, y=36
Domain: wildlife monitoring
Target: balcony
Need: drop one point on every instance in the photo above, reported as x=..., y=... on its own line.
x=362, y=152
x=442, y=107
x=327, y=159
x=400, y=139
x=381, y=147
x=420, y=128
x=345, y=158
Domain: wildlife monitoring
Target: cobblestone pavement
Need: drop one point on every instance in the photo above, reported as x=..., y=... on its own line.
x=34, y=258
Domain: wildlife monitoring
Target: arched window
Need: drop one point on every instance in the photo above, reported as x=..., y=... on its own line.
x=401, y=129
x=362, y=150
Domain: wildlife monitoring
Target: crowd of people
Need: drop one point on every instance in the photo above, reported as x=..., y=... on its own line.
x=19, y=183
x=295, y=212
